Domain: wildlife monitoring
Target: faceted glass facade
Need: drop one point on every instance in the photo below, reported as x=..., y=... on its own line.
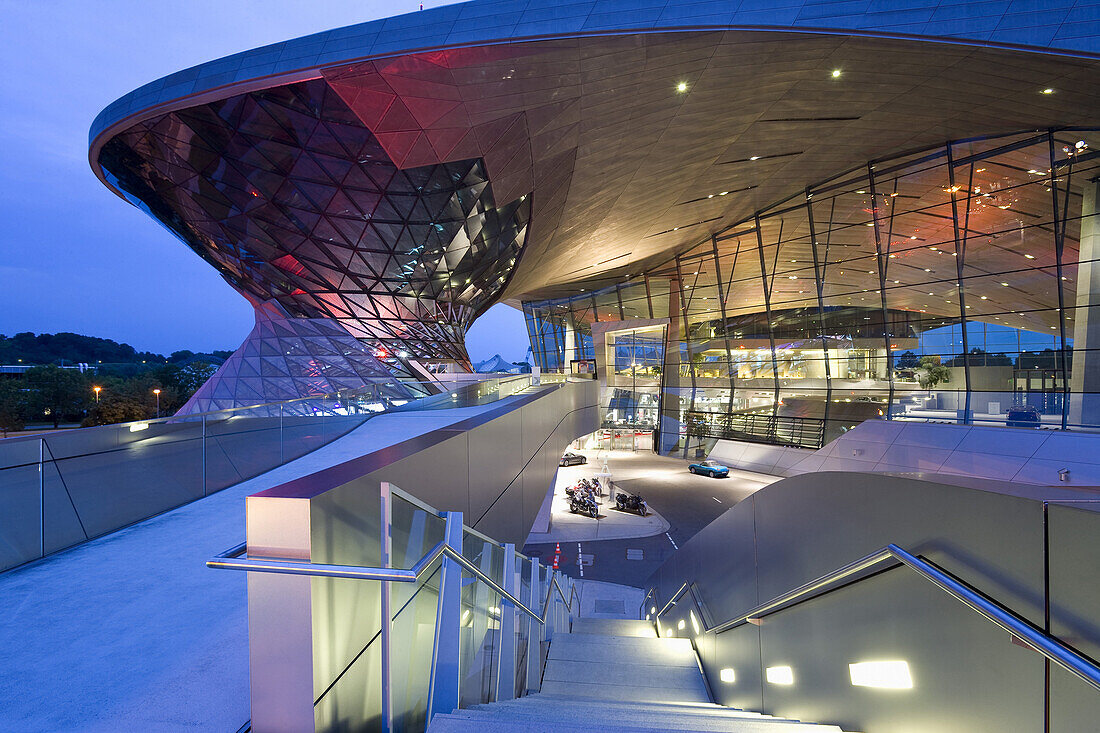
x=295, y=201
x=951, y=285
x=291, y=358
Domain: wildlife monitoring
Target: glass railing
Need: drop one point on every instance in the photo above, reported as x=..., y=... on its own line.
x=60, y=489
x=458, y=601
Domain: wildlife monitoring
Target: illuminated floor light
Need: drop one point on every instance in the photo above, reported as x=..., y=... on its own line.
x=779, y=675
x=887, y=675
x=682, y=87
x=695, y=623
x=727, y=675
x=836, y=73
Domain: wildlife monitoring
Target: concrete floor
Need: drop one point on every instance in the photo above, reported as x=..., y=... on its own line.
x=132, y=632
x=685, y=501
x=610, y=524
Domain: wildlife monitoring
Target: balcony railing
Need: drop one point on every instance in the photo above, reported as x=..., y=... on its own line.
x=61, y=489
x=469, y=621
x=795, y=432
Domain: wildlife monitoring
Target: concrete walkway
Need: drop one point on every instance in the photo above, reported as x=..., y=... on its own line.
x=131, y=632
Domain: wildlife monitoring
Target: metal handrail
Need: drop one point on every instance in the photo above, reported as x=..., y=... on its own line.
x=231, y=560
x=1049, y=646
x=567, y=601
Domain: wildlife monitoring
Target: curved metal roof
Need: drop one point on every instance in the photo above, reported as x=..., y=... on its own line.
x=1066, y=27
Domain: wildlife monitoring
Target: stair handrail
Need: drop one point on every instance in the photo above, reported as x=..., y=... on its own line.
x=232, y=559
x=1019, y=627
x=567, y=601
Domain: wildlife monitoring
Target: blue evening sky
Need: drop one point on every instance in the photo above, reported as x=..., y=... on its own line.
x=73, y=256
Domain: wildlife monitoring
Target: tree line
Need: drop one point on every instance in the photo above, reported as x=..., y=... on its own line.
x=73, y=348
x=54, y=395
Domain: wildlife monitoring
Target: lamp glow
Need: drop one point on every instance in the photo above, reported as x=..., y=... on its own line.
x=779, y=675
x=836, y=73
x=680, y=625
x=893, y=675
x=727, y=675
x=682, y=87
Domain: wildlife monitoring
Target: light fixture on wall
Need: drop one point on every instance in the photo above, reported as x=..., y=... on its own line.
x=779, y=675
x=888, y=675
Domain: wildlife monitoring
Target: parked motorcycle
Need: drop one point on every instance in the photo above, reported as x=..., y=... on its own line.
x=584, y=485
x=583, y=502
x=628, y=503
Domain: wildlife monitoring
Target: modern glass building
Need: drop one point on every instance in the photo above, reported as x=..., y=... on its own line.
x=944, y=284
x=748, y=222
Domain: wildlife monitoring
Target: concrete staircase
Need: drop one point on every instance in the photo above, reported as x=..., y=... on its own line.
x=616, y=675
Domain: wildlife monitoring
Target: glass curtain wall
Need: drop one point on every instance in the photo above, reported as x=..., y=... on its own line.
x=940, y=285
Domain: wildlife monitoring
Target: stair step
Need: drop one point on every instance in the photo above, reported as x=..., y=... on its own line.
x=614, y=627
x=634, y=672
x=637, y=644
x=642, y=714
x=631, y=693
x=462, y=721
x=547, y=701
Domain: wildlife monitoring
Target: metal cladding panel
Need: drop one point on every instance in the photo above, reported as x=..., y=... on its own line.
x=1065, y=27
x=809, y=525
x=1074, y=546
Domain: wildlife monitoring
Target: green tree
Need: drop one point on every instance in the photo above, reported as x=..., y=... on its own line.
x=57, y=394
x=13, y=404
x=931, y=371
x=115, y=409
x=189, y=378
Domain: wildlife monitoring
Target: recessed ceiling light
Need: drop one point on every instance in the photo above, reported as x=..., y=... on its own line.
x=1048, y=90
x=836, y=73
x=682, y=87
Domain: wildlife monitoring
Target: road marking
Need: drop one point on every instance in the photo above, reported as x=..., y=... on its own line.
x=671, y=540
x=580, y=565
x=716, y=499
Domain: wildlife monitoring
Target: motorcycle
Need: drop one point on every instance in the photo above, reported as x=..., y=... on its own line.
x=627, y=503
x=584, y=485
x=583, y=502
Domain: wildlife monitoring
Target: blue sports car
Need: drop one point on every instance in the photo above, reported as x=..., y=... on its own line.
x=714, y=469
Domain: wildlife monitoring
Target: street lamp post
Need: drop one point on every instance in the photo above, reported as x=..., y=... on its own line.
x=157, y=393
x=97, y=391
